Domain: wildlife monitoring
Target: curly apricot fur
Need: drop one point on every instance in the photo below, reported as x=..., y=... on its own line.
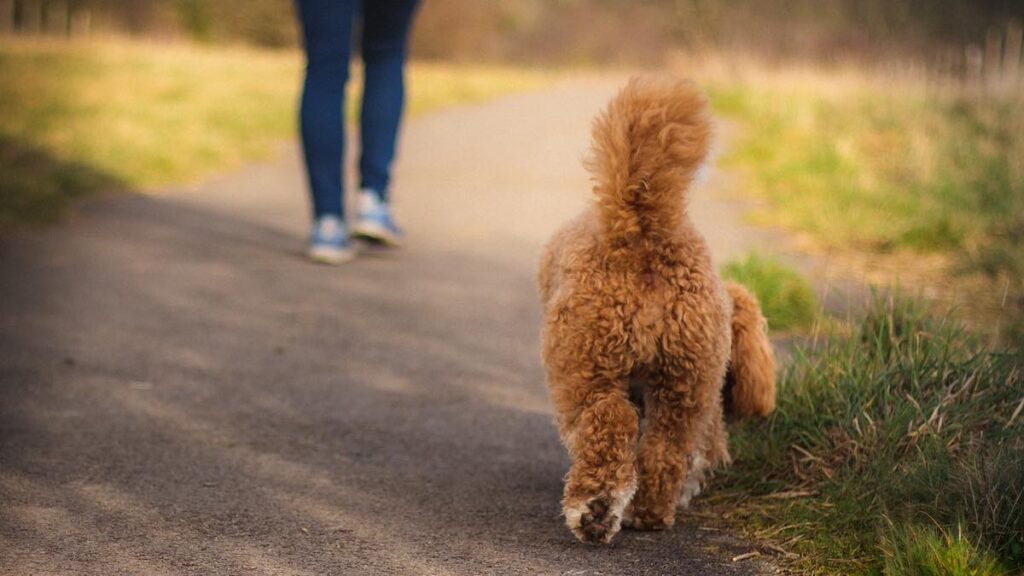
x=629, y=292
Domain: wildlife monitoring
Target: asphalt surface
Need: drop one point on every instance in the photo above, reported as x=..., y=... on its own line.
x=182, y=393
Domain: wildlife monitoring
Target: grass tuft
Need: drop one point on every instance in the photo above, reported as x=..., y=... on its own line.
x=905, y=419
x=925, y=551
x=786, y=297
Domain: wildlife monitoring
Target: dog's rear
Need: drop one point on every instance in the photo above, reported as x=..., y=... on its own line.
x=629, y=291
x=648, y=147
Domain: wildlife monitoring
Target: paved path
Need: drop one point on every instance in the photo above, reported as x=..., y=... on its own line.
x=181, y=393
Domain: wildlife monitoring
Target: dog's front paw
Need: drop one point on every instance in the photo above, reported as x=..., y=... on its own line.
x=593, y=522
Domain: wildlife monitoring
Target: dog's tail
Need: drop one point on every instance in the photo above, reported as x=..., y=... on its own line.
x=648, y=146
x=750, y=381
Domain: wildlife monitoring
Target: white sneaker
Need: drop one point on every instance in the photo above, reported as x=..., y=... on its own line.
x=374, y=222
x=328, y=241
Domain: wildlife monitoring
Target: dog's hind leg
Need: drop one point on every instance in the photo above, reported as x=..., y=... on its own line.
x=673, y=450
x=599, y=426
x=711, y=452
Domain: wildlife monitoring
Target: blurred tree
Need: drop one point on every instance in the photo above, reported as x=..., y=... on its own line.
x=6, y=16
x=268, y=23
x=195, y=18
x=458, y=29
x=598, y=31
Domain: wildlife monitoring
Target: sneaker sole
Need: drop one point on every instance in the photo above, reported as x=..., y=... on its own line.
x=376, y=234
x=332, y=256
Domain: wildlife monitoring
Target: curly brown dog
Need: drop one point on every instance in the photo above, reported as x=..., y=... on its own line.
x=632, y=302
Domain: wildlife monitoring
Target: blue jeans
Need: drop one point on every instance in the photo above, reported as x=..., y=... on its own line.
x=327, y=30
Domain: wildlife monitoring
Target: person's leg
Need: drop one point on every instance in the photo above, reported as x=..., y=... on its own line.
x=386, y=25
x=327, y=31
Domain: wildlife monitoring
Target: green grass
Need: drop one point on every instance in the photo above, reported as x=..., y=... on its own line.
x=925, y=551
x=77, y=117
x=888, y=168
x=900, y=424
x=881, y=168
x=786, y=297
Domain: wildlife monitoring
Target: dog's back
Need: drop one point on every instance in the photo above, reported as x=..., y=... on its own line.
x=633, y=264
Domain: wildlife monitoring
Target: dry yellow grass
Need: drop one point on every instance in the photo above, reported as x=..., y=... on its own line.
x=75, y=116
x=900, y=177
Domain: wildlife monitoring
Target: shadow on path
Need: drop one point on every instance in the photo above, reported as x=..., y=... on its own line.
x=36, y=186
x=181, y=393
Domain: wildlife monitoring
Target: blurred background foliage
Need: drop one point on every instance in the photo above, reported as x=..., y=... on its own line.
x=886, y=133
x=570, y=31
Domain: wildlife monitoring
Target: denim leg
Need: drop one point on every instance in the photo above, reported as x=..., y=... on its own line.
x=386, y=25
x=327, y=31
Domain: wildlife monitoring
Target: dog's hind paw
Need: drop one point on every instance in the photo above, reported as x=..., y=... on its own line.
x=650, y=524
x=595, y=522
x=633, y=521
